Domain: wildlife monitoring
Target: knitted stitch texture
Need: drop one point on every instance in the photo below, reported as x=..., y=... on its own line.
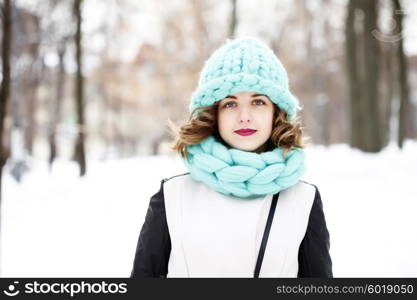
x=243, y=174
x=244, y=64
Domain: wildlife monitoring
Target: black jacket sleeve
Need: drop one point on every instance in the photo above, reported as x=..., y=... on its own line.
x=313, y=256
x=154, y=244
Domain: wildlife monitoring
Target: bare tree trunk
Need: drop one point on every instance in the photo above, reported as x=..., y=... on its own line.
x=5, y=84
x=105, y=118
x=24, y=101
x=79, y=147
x=389, y=79
x=353, y=75
x=202, y=38
x=404, y=112
x=310, y=66
x=29, y=113
x=362, y=60
x=373, y=142
x=233, y=20
x=56, y=103
x=327, y=128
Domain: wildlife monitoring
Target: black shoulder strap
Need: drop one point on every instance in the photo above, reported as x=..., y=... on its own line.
x=266, y=234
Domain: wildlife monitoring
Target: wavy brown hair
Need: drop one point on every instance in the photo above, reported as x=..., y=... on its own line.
x=285, y=134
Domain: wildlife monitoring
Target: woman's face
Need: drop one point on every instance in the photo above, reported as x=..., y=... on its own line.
x=245, y=110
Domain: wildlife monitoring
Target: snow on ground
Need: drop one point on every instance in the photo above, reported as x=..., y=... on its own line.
x=57, y=225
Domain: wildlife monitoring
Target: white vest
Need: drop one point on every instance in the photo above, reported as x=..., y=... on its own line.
x=214, y=235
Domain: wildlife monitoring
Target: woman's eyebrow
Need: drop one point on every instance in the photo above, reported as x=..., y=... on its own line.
x=254, y=95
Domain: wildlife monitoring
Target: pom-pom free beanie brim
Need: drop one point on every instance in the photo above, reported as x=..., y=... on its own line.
x=244, y=64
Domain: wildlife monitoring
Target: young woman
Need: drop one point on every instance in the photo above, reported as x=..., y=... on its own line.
x=241, y=210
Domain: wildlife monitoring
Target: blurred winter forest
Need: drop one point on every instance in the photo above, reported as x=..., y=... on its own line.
x=97, y=79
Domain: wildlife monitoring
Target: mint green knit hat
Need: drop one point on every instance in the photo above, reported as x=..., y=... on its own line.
x=244, y=64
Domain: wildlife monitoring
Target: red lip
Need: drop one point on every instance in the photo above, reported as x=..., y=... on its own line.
x=245, y=131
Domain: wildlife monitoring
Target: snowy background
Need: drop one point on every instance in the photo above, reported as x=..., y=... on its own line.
x=58, y=225
x=141, y=60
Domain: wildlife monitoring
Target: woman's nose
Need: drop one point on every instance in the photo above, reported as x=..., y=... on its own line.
x=244, y=115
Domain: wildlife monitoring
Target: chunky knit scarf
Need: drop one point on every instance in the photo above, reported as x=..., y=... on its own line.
x=241, y=173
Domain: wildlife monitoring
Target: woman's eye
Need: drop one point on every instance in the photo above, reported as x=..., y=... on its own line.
x=259, y=101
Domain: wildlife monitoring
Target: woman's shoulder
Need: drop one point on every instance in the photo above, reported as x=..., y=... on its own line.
x=309, y=183
x=179, y=176
x=317, y=196
x=301, y=191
